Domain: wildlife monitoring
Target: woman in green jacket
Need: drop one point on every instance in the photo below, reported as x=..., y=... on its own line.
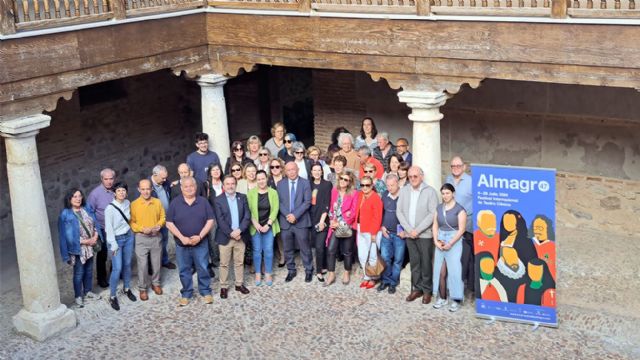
x=263, y=205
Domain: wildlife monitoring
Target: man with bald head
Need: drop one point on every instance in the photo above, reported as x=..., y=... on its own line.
x=294, y=193
x=190, y=218
x=184, y=170
x=464, y=196
x=147, y=220
x=415, y=210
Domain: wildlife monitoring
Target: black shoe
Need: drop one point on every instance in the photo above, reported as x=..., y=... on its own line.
x=130, y=295
x=103, y=284
x=392, y=289
x=243, y=289
x=211, y=272
x=320, y=277
x=308, y=277
x=382, y=287
x=114, y=303
x=290, y=276
x=282, y=265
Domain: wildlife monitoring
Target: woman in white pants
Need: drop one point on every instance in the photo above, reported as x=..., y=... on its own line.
x=368, y=222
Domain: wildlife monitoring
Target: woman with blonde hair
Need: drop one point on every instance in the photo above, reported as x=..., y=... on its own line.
x=253, y=147
x=248, y=180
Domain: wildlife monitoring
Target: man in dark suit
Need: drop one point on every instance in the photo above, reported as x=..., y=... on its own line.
x=233, y=218
x=295, y=201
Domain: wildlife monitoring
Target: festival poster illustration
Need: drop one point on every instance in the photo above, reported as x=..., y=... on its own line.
x=515, y=243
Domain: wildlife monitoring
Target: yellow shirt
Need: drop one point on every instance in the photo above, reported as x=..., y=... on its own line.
x=146, y=214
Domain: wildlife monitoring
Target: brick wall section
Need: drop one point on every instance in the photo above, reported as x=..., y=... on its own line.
x=153, y=124
x=335, y=104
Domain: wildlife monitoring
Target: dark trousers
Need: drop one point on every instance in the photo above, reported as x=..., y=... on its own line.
x=468, y=261
x=346, y=249
x=420, y=258
x=297, y=236
x=101, y=261
x=319, y=240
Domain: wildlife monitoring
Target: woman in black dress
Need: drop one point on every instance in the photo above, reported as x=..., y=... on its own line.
x=320, y=199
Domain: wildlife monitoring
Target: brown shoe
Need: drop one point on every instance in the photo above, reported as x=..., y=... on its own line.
x=157, y=289
x=143, y=295
x=414, y=295
x=426, y=298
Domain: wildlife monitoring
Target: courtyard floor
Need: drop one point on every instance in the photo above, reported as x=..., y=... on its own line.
x=304, y=321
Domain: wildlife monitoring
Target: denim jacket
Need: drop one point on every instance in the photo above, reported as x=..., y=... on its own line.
x=69, y=232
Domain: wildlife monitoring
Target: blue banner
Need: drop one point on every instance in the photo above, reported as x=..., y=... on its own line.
x=515, y=243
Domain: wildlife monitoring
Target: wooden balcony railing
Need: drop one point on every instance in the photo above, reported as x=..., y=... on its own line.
x=22, y=15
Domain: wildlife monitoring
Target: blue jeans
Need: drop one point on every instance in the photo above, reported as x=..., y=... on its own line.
x=189, y=257
x=454, y=270
x=392, y=252
x=121, y=262
x=263, y=242
x=82, y=276
x=165, y=240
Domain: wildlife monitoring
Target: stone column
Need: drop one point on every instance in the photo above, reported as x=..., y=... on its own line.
x=42, y=315
x=426, y=116
x=214, y=113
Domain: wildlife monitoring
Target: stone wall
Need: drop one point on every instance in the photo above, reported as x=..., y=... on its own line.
x=581, y=129
x=153, y=123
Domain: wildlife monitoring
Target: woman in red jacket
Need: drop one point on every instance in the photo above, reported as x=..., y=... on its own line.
x=368, y=222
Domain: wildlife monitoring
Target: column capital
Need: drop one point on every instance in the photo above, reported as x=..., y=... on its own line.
x=24, y=126
x=425, y=105
x=213, y=80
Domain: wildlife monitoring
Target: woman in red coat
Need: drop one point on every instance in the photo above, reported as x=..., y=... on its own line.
x=368, y=222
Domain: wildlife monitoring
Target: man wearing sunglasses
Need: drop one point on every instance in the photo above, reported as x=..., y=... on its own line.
x=364, y=153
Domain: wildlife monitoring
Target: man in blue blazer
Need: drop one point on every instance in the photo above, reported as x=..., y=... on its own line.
x=294, y=193
x=233, y=218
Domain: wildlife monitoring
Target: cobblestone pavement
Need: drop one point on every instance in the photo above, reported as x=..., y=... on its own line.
x=303, y=321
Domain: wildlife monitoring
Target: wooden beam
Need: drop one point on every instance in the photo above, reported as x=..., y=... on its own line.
x=364, y=9
x=423, y=7
x=51, y=23
x=559, y=8
x=7, y=17
x=119, y=9
x=253, y=5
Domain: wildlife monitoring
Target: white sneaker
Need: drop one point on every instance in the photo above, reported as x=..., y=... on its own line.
x=92, y=296
x=455, y=306
x=440, y=303
x=79, y=301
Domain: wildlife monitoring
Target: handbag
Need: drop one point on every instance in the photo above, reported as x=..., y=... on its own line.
x=343, y=231
x=374, y=271
x=98, y=245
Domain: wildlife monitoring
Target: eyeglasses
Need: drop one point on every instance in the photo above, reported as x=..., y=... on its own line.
x=238, y=149
x=345, y=179
x=288, y=141
x=264, y=154
x=401, y=145
x=275, y=166
x=365, y=185
x=299, y=152
x=235, y=170
x=456, y=166
x=369, y=171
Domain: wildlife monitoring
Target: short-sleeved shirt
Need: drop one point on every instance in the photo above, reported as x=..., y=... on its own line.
x=199, y=163
x=464, y=196
x=451, y=222
x=189, y=219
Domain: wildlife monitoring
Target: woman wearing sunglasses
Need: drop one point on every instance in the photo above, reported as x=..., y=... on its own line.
x=264, y=161
x=368, y=223
x=238, y=156
x=304, y=164
x=342, y=215
x=286, y=154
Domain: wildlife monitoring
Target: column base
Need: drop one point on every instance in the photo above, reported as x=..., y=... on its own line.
x=41, y=326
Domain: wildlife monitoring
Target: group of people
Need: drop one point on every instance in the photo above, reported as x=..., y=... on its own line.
x=362, y=193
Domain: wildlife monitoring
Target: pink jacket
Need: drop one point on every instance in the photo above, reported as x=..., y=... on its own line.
x=349, y=203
